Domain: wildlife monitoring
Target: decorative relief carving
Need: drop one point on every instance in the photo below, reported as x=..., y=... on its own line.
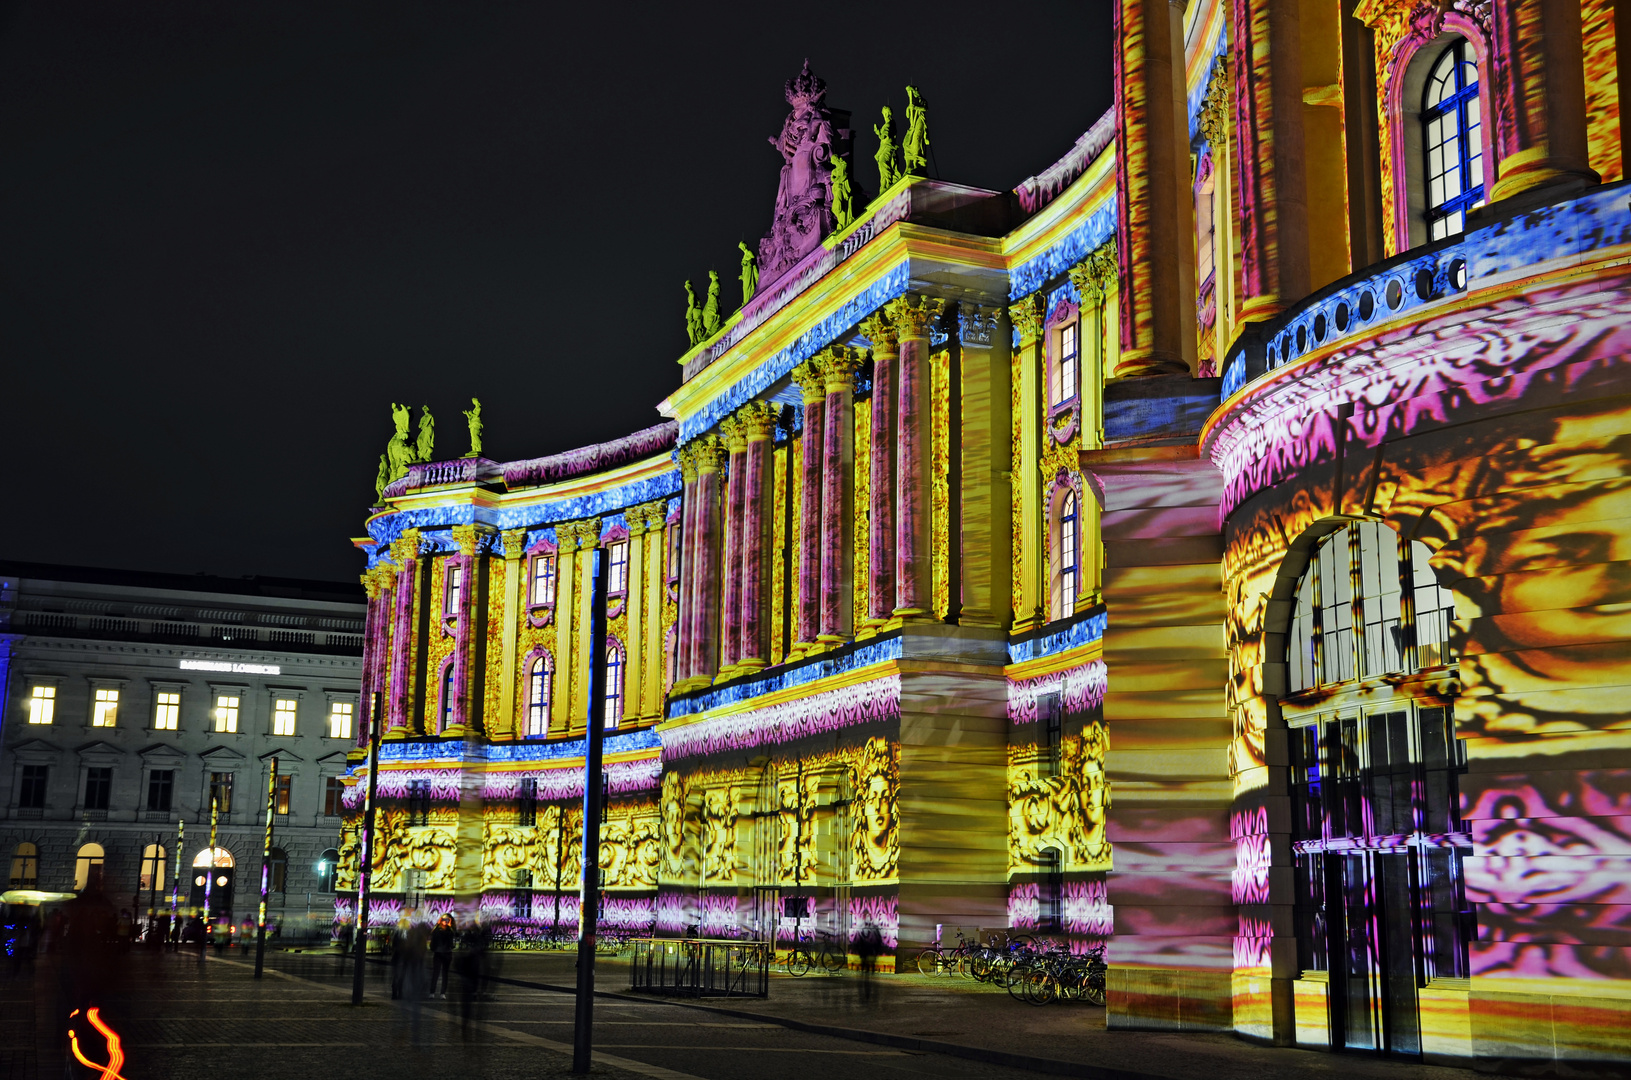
x=913, y=313
x=1217, y=110
x=1027, y=316
x=977, y=323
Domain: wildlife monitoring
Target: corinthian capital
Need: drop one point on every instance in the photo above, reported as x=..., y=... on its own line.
x=912, y=314
x=757, y=419
x=838, y=367
x=1094, y=275
x=1027, y=315
x=879, y=330
x=810, y=380
x=711, y=454
x=736, y=439
x=688, y=462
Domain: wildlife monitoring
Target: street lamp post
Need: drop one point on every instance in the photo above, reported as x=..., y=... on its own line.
x=266, y=869
x=366, y=849
x=593, y=803
x=209, y=879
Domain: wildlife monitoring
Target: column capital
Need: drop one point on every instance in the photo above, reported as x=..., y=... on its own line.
x=1094, y=275
x=1026, y=314
x=913, y=313
x=647, y=516
x=576, y=535
x=405, y=547
x=839, y=364
x=688, y=462
x=977, y=323
x=470, y=538
x=1218, y=106
x=515, y=543
x=711, y=454
x=732, y=431
x=810, y=381
x=758, y=420
x=879, y=330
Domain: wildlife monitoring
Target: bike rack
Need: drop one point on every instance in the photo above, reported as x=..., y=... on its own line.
x=700, y=967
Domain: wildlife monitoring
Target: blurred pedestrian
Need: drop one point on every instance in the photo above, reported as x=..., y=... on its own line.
x=399, y=957
x=441, y=954
x=868, y=944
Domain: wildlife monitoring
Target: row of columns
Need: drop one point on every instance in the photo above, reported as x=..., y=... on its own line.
x=726, y=528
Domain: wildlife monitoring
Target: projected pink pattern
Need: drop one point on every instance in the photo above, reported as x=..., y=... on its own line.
x=1249, y=880
x=880, y=912
x=1080, y=689
x=831, y=710
x=567, y=782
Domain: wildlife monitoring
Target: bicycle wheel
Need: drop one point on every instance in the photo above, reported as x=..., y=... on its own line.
x=798, y=962
x=929, y=962
x=1014, y=980
x=1093, y=992
x=1039, y=986
x=981, y=965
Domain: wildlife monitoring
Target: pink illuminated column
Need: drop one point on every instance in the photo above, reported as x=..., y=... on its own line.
x=881, y=489
x=683, y=669
x=378, y=583
x=813, y=386
x=405, y=552
x=710, y=452
x=758, y=421
x=467, y=629
x=736, y=444
x=1539, y=97
x=913, y=562
x=838, y=367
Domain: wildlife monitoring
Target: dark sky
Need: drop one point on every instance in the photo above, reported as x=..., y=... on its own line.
x=232, y=233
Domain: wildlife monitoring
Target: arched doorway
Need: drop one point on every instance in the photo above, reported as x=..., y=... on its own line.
x=88, y=868
x=1376, y=839
x=214, y=875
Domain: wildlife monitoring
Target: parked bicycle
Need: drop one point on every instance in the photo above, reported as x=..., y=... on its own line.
x=1040, y=977
x=831, y=959
x=956, y=960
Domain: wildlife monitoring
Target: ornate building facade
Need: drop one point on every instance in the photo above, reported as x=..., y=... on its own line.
x=1209, y=545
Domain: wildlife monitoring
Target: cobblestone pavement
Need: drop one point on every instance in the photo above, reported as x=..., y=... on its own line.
x=179, y=1019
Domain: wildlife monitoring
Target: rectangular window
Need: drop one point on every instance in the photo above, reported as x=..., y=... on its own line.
x=455, y=578
x=543, y=579
x=42, y=704
x=98, y=786
x=521, y=899
x=226, y=713
x=280, y=799
x=418, y=802
x=283, y=712
x=333, y=796
x=31, y=795
x=339, y=720
x=161, y=785
x=167, y=712
x=617, y=575
x=105, y=709
x=1064, y=368
x=527, y=809
x=221, y=791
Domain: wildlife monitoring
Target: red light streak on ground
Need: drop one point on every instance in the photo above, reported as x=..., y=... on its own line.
x=116, y=1055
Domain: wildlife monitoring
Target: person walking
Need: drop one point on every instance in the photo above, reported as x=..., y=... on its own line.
x=441, y=954
x=399, y=957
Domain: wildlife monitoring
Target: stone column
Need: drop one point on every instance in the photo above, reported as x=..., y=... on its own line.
x=1027, y=316
x=1269, y=181
x=838, y=367
x=881, y=464
x=985, y=427
x=566, y=564
x=405, y=553
x=651, y=698
x=1539, y=98
x=634, y=606
x=687, y=589
x=515, y=544
x=468, y=626
x=757, y=420
x=813, y=386
x=376, y=651
x=730, y=645
x=705, y=617
x=914, y=591
x=588, y=541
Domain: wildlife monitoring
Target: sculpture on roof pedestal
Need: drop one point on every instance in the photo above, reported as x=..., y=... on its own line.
x=710, y=307
x=888, y=171
x=804, y=197
x=472, y=417
x=693, y=315
x=750, y=273
x=843, y=195
x=382, y=479
x=916, y=144
x=427, y=434
x=399, y=451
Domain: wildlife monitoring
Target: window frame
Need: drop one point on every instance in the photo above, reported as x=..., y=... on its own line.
x=452, y=586
x=167, y=785
x=1459, y=53
x=283, y=794
x=445, y=696
x=24, y=861
x=537, y=722
x=542, y=561
x=1068, y=573
x=614, y=702
x=278, y=713
x=161, y=707
x=105, y=710
x=212, y=786
x=33, y=779
x=42, y=703
x=229, y=723
x=341, y=707
x=102, y=777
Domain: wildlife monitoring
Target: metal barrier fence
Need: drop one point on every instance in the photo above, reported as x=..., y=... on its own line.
x=701, y=967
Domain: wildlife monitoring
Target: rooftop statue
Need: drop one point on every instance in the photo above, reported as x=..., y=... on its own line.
x=693, y=315
x=427, y=434
x=750, y=273
x=710, y=307
x=472, y=416
x=382, y=479
x=399, y=452
x=843, y=197
x=804, y=196
x=888, y=172
x=917, y=134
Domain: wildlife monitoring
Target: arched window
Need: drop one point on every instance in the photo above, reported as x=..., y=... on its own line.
x=277, y=870
x=88, y=868
x=539, y=687
x=153, y=864
x=447, y=696
x=1453, y=139
x=222, y=857
x=327, y=865
x=1068, y=573
x=25, y=866
x=614, y=681
x=1325, y=648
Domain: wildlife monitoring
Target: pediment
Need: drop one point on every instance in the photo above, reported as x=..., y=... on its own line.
x=161, y=753
x=222, y=755
x=338, y=758
x=35, y=751
x=281, y=755
x=99, y=749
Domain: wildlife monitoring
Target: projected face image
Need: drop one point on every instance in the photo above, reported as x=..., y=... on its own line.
x=673, y=841
x=877, y=843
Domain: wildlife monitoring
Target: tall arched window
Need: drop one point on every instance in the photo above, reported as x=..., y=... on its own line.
x=88, y=868
x=1068, y=579
x=277, y=870
x=539, y=685
x=153, y=864
x=614, y=681
x=25, y=866
x=327, y=865
x=447, y=696
x=1453, y=138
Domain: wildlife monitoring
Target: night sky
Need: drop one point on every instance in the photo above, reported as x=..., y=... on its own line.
x=232, y=233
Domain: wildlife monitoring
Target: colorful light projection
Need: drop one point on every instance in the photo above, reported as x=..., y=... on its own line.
x=1058, y=803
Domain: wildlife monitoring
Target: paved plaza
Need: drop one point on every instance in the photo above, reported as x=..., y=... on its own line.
x=181, y=1019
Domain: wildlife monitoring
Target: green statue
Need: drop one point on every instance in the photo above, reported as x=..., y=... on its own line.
x=887, y=171
x=693, y=315
x=399, y=451
x=710, y=307
x=382, y=479
x=843, y=196
x=750, y=273
x=427, y=434
x=916, y=144
x=472, y=416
